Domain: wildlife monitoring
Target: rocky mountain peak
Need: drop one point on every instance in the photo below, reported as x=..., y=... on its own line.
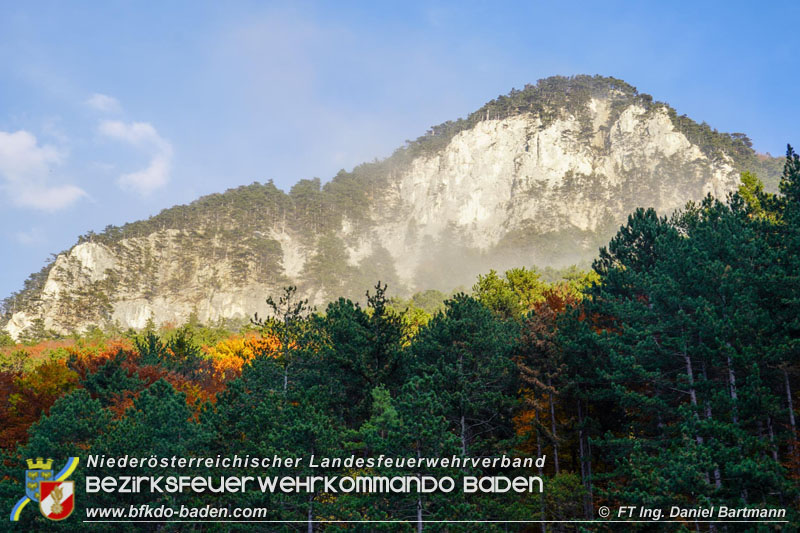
x=541, y=176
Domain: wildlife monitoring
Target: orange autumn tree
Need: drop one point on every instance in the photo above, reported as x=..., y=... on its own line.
x=25, y=397
x=541, y=364
x=229, y=355
x=120, y=373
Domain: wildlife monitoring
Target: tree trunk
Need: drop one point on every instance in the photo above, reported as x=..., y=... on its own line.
x=310, y=514
x=717, y=475
x=586, y=467
x=692, y=392
x=553, y=424
x=461, y=404
x=419, y=515
x=732, y=386
x=541, y=475
x=693, y=397
x=772, y=440
x=792, y=426
x=463, y=436
x=419, y=501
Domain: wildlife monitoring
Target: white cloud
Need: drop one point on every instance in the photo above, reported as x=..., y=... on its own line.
x=32, y=236
x=143, y=136
x=24, y=173
x=50, y=198
x=104, y=103
x=155, y=176
x=21, y=157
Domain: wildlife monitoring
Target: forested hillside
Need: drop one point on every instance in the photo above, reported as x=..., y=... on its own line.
x=542, y=176
x=666, y=376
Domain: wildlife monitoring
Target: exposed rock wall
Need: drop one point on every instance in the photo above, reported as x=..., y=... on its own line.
x=499, y=183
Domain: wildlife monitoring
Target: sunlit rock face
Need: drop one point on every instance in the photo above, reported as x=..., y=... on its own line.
x=518, y=175
x=516, y=191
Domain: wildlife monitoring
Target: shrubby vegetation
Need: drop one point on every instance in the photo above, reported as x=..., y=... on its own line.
x=666, y=376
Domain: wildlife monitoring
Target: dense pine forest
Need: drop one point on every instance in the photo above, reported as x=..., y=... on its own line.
x=667, y=375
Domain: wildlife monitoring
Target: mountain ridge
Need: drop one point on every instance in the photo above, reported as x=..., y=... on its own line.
x=542, y=176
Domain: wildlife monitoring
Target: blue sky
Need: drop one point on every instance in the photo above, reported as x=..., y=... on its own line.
x=113, y=111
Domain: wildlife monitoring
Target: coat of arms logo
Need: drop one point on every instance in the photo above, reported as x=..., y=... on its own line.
x=57, y=501
x=56, y=495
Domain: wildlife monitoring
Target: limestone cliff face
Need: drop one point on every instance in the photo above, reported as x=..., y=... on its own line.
x=517, y=174
x=138, y=280
x=527, y=188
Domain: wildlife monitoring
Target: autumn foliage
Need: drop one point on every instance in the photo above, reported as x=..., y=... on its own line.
x=51, y=369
